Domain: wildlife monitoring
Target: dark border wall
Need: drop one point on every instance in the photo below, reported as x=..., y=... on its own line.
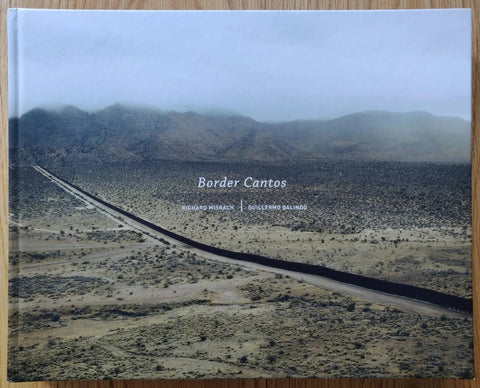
x=438, y=298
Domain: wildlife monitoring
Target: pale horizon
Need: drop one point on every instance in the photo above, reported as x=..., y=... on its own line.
x=270, y=66
x=228, y=113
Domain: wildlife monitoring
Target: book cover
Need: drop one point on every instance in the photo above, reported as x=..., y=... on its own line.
x=239, y=194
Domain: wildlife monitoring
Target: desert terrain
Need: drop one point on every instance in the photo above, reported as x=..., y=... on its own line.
x=403, y=222
x=92, y=296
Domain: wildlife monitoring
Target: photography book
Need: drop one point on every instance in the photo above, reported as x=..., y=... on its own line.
x=242, y=194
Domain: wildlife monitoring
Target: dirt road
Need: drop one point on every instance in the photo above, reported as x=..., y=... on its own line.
x=414, y=305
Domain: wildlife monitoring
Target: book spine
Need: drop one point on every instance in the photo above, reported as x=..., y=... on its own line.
x=13, y=113
x=14, y=67
x=13, y=62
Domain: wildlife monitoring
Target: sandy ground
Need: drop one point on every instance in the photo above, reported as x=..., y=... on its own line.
x=415, y=306
x=122, y=302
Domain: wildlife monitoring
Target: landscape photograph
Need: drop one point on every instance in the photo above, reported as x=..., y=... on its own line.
x=239, y=195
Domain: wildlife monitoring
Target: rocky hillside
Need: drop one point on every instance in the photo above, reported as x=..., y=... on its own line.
x=121, y=133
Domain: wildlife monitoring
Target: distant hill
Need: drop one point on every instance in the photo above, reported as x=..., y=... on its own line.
x=121, y=133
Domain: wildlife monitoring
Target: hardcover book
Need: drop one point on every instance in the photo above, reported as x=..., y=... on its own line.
x=239, y=194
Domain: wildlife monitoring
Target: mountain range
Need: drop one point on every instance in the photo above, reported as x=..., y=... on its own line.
x=124, y=133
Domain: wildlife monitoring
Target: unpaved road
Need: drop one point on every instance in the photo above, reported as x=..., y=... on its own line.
x=404, y=303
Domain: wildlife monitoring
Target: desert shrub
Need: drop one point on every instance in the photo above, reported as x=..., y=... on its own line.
x=271, y=358
x=51, y=342
x=55, y=317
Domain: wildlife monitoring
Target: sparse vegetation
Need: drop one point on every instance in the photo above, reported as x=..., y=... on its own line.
x=104, y=300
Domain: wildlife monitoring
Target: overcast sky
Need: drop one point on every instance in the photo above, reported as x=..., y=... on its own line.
x=271, y=66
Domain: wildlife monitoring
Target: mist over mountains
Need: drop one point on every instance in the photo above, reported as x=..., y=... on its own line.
x=121, y=133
